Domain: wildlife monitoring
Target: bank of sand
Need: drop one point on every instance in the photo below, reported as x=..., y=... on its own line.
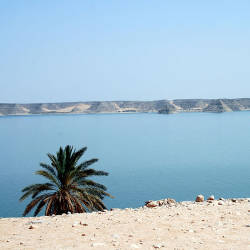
x=185, y=225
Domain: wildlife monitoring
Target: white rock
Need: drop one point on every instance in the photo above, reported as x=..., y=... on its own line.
x=134, y=246
x=210, y=198
x=199, y=198
x=157, y=246
x=116, y=236
x=97, y=244
x=220, y=203
x=152, y=204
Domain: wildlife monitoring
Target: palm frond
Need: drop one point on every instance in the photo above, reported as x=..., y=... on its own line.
x=48, y=176
x=49, y=168
x=36, y=189
x=34, y=202
x=86, y=182
x=85, y=164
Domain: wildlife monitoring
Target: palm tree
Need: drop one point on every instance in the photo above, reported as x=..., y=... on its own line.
x=68, y=188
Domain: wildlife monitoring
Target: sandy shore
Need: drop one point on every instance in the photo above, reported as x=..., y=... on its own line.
x=185, y=225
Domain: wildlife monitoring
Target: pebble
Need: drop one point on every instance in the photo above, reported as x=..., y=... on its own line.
x=199, y=198
x=97, y=244
x=134, y=246
x=31, y=227
x=151, y=204
x=220, y=203
x=83, y=224
x=210, y=198
x=158, y=245
x=34, y=222
x=116, y=236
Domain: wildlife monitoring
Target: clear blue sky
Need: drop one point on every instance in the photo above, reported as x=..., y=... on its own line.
x=79, y=50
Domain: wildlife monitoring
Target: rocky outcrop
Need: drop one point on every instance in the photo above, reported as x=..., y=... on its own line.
x=161, y=106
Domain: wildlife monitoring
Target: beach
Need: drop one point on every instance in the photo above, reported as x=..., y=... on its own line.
x=216, y=224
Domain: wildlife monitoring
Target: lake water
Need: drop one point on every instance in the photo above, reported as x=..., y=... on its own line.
x=148, y=156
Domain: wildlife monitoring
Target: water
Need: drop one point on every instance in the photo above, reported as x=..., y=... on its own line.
x=148, y=156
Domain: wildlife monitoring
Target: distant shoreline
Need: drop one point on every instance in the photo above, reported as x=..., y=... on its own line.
x=120, y=107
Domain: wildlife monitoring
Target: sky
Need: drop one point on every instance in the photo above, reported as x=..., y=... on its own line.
x=74, y=50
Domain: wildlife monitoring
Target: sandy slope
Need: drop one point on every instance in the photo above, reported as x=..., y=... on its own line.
x=186, y=225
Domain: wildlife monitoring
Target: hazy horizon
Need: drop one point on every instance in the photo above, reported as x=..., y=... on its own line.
x=61, y=51
x=123, y=100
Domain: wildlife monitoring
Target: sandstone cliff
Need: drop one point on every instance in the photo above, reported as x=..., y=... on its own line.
x=161, y=106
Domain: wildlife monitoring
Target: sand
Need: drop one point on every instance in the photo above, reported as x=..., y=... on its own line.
x=185, y=225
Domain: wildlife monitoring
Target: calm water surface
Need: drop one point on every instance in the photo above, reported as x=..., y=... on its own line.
x=148, y=156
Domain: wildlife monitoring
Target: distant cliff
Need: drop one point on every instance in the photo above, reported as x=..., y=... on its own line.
x=162, y=107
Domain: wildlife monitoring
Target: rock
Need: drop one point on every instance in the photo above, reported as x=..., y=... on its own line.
x=97, y=244
x=68, y=213
x=199, y=198
x=221, y=199
x=171, y=201
x=74, y=224
x=134, y=246
x=152, y=204
x=31, y=227
x=157, y=246
x=160, y=203
x=233, y=200
x=83, y=234
x=220, y=203
x=210, y=198
x=210, y=201
x=83, y=224
x=116, y=236
x=34, y=222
